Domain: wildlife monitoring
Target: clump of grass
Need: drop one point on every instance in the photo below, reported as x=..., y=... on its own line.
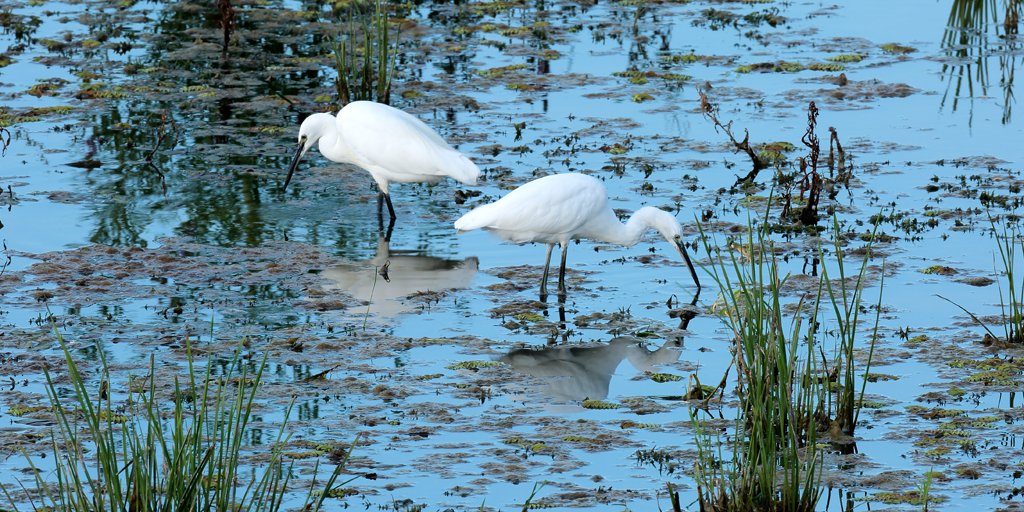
x=773, y=459
x=185, y=457
x=364, y=55
x=786, y=393
x=1011, y=305
x=845, y=295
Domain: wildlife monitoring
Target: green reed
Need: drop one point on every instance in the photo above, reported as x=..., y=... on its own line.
x=364, y=55
x=771, y=461
x=131, y=454
x=787, y=398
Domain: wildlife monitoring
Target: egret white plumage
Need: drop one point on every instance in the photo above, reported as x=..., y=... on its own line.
x=562, y=207
x=392, y=145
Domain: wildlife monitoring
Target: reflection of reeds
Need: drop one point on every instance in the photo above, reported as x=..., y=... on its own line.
x=364, y=57
x=966, y=40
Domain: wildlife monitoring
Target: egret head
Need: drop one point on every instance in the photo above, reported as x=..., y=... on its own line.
x=669, y=228
x=311, y=130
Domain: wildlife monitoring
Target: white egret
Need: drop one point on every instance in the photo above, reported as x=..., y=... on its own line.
x=562, y=207
x=392, y=145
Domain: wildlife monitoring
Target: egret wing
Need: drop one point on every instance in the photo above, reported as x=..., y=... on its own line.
x=550, y=209
x=399, y=145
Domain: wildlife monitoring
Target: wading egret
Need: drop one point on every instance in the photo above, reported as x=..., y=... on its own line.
x=391, y=145
x=562, y=207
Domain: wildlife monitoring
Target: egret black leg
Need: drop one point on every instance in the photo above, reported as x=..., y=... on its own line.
x=544, y=280
x=387, y=233
x=380, y=210
x=561, y=270
x=391, y=209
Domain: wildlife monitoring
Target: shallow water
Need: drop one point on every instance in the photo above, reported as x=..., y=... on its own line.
x=203, y=243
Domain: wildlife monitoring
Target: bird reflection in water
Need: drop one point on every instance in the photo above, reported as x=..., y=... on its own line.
x=387, y=280
x=581, y=372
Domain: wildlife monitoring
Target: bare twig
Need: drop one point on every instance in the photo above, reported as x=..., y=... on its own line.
x=811, y=182
x=840, y=171
x=710, y=111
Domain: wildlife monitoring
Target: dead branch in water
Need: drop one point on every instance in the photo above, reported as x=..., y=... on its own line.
x=811, y=182
x=710, y=111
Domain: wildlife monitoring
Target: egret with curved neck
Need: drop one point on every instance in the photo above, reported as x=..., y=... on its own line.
x=563, y=207
x=393, y=146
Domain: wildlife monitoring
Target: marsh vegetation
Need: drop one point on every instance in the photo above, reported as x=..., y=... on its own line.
x=180, y=331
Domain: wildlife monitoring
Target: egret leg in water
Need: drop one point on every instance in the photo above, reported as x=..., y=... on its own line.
x=563, y=207
x=392, y=145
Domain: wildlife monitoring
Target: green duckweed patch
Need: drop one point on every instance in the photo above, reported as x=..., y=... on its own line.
x=523, y=87
x=897, y=48
x=913, y=497
x=22, y=410
x=883, y=377
x=831, y=67
x=846, y=57
x=529, y=316
x=917, y=340
x=32, y=115
x=599, y=404
x=663, y=377
x=781, y=66
x=932, y=413
x=473, y=365
x=630, y=424
x=527, y=444
x=581, y=439
x=642, y=77
x=686, y=58
x=940, y=270
x=615, y=149
x=493, y=8
x=993, y=371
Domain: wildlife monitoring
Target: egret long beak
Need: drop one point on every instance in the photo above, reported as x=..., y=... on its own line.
x=299, y=151
x=686, y=257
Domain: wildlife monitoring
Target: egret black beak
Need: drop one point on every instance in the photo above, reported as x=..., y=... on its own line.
x=295, y=161
x=686, y=257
